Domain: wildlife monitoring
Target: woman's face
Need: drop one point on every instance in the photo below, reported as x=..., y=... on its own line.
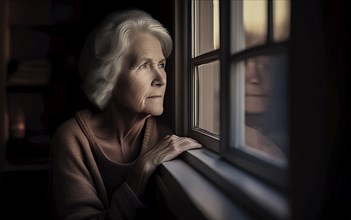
x=257, y=84
x=142, y=83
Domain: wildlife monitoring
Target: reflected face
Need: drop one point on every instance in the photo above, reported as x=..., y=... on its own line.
x=257, y=84
x=142, y=83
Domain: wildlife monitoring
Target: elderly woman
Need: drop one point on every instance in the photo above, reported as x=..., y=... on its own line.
x=103, y=158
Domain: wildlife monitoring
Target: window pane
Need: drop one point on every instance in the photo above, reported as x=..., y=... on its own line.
x=281, y=19
x=255, y=22
x=248, y=24
x=261, y=124
x=207, y=97
x=205, y=30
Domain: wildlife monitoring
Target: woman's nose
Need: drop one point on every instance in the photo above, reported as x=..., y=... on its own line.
x=254, y=79
x=252, y=74
x=159, y=77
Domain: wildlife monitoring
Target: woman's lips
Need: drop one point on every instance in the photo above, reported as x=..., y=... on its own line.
x=154, y=96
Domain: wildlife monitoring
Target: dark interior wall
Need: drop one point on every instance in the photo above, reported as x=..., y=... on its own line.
x=320, y=187
x=337, y=27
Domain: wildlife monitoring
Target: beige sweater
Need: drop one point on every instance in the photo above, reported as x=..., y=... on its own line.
x=86, y=184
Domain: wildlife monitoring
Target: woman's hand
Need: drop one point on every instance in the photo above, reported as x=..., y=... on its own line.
x=167, y=149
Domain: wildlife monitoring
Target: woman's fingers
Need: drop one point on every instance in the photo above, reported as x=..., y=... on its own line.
x=188, y=143
x=174, y=146
x=167, y=149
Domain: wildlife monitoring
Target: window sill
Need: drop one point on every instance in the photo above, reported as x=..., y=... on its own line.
x=190, y=196
x=202, y=186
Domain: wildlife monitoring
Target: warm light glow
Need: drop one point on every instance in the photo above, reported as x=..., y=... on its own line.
x=281, y=19
x=18, y=126
x=255, y=22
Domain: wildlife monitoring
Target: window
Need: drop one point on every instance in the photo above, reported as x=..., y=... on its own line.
x=205, y=73
x=235, y=64
x=238, y=72
x=277, y=155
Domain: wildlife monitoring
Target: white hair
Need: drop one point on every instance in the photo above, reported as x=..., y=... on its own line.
x=106, y=49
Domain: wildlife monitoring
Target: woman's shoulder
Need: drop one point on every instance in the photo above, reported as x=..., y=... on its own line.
x=71, y=127
x=66, y=128
x=69, y=138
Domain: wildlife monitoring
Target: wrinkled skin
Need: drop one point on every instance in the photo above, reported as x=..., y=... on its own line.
x=167, y=149
x=143, y=80
x=139, y=94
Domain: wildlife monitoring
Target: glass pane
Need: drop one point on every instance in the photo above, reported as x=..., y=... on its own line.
x=205, y=29
x=248, y=24
x=207, y=97
x=263, y=132
x=255, y=22
x=281, y=19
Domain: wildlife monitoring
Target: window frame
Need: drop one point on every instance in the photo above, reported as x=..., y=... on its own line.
x=310, y=147
x=207, y=139
x=258, y=172
x=271, y=173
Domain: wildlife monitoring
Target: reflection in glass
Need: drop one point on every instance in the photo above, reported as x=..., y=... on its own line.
x=265, y=105
x=205, y=26
x=207, y=93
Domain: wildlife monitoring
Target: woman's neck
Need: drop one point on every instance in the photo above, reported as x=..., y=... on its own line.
x=120, y=123
x=257, y=121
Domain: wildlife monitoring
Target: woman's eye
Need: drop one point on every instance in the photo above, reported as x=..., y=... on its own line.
x=143, y=66
x=262, y=65
x=161, y=65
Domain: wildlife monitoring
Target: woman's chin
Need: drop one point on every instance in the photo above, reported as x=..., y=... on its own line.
x=154, y=111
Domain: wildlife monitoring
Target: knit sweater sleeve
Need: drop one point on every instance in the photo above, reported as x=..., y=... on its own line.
x=77, y=193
